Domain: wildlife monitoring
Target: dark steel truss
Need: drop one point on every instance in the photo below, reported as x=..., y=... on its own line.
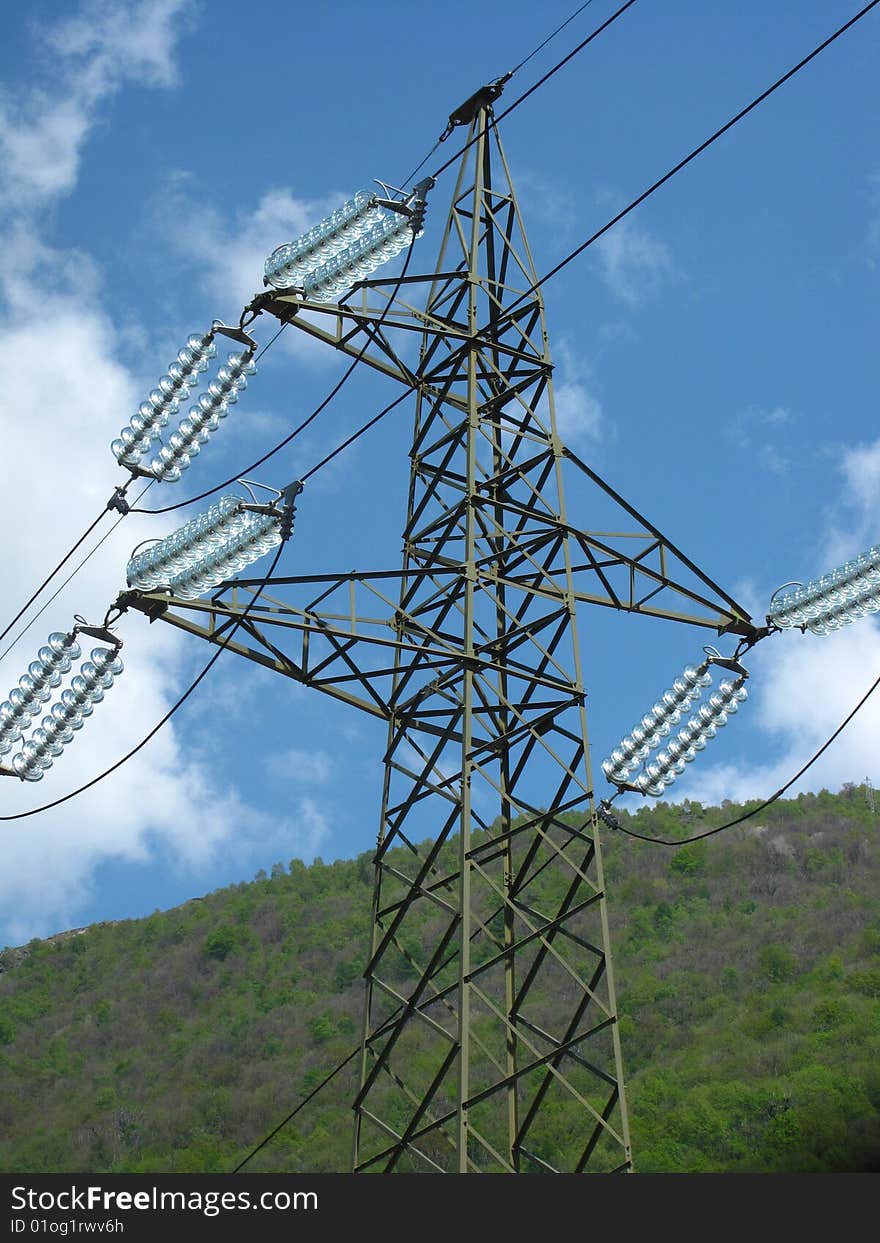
x=490, y=1038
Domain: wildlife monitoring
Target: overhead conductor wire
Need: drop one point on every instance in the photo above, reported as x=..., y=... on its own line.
x=552, y=35
x=24, y=608
x=221, y=647
x=305, y=423
x=507, y=77
x=494, y=121
x=168, y=509
x=120, y=493
x=635, y=202
x=73, y=793
x=574, y=254
x=656, y=841
x=579, y=250
x=552, y=272
x=70, y=576
x=662, y=841
x=759, y=99
x=310, y=418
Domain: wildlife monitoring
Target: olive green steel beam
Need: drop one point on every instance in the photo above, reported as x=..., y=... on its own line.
x=478, y=1101
x=497, y=1048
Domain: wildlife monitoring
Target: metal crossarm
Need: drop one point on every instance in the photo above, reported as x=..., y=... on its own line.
x=490, y=1036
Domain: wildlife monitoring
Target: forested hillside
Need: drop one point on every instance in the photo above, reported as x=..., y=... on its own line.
x=747, y=970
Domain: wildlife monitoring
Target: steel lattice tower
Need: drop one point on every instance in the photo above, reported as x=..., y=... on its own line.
x=497, y=1047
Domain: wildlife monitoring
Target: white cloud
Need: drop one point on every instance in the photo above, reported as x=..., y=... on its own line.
x=108, y=43
x=94, y=54
x=578, y=413
x=312, y=827
x=579, y=417
x=749, y=430
x=778, y=415
x=300, y=766
x=771, y=460
x=548, y=201
x=751, y=596
x=804, y=686
x=227, y=252
x=861, y=471
x=634, y=264
x=64, y=396
x=856, y=522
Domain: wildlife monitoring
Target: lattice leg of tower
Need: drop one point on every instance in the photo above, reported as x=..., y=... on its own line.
x=490, y=1036
x=490, y=1041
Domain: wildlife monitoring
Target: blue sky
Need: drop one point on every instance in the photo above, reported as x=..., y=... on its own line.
x=716, y=362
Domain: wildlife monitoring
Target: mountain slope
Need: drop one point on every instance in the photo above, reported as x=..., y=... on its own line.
x=747, y=970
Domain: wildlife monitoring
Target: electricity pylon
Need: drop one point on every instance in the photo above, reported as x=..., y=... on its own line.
x=490, y=1037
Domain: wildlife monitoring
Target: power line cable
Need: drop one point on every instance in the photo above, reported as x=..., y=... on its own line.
x=656, y=841
x=418, y=168
x=759, y=99
x=239, y=620
x=119, y=493
x=70, y=576
x=536, y=85
x=506, y=78
x=553, y=35
x=169, y=508
x=281, y=1125
x=662, y=841
x=310, y=418
x=221, y=648
x=24, y=608
x=306, y=422
x=380, y=1031
x=553, y=271
x=644, y=195
x=356, y=435
x=46, y=581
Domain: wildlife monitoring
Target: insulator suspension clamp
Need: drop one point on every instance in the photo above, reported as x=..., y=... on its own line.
x=603, y=811
x=254, y=308
x=103, y=633
x=714, y=657
x=118, y=502
x=420, y=203
x=414, y=205
x=483, y=98
x=238, y=334
x=288, y=497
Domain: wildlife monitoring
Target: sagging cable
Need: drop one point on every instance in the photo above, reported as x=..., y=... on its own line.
x=682, y=749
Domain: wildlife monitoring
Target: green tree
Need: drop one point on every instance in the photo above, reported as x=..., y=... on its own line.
x=222, y=942
x=777, y=963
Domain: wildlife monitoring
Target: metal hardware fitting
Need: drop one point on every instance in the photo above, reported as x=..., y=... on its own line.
x=96, y=632
x=117, y=500
x=726, y=662
x=237, y=334
x=483, y=98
